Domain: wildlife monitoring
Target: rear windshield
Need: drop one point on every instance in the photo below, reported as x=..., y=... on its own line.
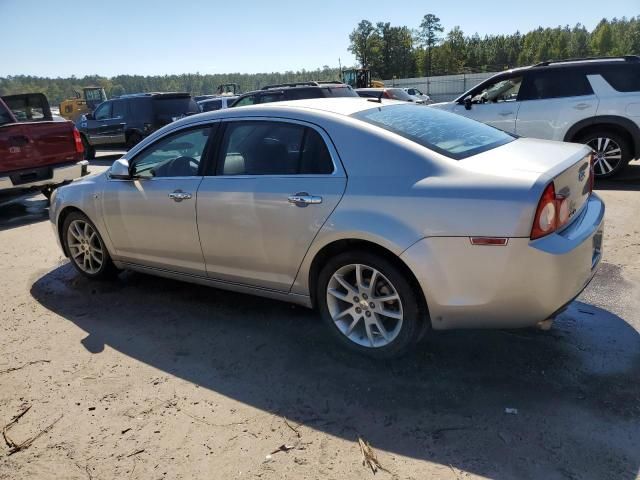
x=172, y=108
x=399, y=94
x=452, y=135
x=342, y=91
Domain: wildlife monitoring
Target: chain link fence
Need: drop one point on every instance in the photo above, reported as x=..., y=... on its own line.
x=442, y=88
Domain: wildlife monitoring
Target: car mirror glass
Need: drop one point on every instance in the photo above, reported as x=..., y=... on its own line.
x=120, y=170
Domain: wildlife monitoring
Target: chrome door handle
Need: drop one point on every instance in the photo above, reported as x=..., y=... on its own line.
x=302, y=199
x=505, y=114
x=581, y=106
x=179, y=195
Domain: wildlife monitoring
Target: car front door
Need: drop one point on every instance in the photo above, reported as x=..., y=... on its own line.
x=151, y=219
x=494, y=102
x=552, y=101
x=276, y=182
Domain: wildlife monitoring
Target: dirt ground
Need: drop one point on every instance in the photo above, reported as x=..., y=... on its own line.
x=150, y=378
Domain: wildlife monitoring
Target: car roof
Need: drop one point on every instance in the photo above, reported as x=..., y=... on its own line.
x=343, y=106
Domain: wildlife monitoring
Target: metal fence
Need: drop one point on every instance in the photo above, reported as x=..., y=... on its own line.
x=442, y=88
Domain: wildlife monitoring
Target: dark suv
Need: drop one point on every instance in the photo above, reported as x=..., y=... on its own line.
x=122, y=122
x=295, y=91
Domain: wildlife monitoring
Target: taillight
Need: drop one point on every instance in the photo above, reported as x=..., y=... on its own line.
x=546, y=219
x=77, y=140
x=553, y=212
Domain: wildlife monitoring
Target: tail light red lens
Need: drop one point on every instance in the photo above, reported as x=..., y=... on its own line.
x=553, y=212
x=546, y=218
x=77, y=140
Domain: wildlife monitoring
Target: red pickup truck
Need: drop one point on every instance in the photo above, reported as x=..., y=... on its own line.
x=37, y=152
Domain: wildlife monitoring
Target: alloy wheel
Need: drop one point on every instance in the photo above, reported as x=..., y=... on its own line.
x=364, y=305
x=85, y=247
x=608, y=155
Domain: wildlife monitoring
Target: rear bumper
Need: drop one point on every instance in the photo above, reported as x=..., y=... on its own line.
x=42, y=177
x=510, y=286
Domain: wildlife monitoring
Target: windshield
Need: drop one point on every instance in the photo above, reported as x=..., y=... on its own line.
x=452, y=135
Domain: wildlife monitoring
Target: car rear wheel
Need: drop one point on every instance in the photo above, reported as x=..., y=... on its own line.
x=89, y=151
x=85, y=247
x=369, y=305
x=612, y=150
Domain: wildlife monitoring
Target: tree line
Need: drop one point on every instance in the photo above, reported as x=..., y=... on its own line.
x=389, y=51
x=401, y=52
x=57, y=89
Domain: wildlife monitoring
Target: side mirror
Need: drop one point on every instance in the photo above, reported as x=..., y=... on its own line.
x=89, y=116
x=467, y=103
x=120, y=170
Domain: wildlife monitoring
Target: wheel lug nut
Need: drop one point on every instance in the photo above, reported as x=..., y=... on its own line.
x=372, y=305
x=356, y=299
x=364, y=295
x=358, y=310
x=367, y=313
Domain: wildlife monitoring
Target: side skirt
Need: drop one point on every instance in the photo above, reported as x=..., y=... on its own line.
x=302, y=300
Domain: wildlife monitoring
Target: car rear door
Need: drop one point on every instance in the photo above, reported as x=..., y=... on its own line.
x=552, y=101
x=275, y=184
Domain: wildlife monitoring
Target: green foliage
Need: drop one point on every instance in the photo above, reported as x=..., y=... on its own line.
x=394, y=52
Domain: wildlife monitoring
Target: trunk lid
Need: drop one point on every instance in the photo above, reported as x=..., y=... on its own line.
x=540, y=162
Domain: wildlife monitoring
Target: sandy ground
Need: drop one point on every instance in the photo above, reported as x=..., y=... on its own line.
x=154, y=379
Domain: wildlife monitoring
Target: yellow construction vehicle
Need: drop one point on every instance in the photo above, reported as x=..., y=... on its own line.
x=85, y=102
x=360, y=78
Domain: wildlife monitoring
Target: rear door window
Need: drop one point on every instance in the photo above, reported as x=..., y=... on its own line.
x=273, y=148
x=559, y=83
x=623, y=77
x=303, y=93
x=212, y=105
x=119, y=109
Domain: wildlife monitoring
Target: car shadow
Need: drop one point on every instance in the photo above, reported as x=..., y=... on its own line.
x=575, y=388
x=24, y=211
x=628, y=179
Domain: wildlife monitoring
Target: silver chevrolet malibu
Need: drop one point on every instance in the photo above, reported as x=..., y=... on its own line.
x=391, y=219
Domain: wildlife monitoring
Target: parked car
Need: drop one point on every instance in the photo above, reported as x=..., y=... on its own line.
x=418, y=95
x=295, y=91
x=37, y=153
x=388, y=93
x=122, y=122
x=216, y=103
x=590, y=101
x=390, y=218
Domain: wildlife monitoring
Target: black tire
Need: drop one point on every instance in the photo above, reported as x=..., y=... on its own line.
x=613, y=140
x=89, y=151
x=133, y=139
x=413, y=321
x=107, y=269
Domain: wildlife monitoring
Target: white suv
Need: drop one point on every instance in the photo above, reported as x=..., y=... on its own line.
x=595, y=101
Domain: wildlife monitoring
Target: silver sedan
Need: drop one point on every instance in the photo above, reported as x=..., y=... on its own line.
x=391, y=219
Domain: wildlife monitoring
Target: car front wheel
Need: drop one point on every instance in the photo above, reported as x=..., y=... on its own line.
x=85, y=247
x=369, y=304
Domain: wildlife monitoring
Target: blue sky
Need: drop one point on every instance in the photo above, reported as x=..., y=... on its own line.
x=73, y=37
